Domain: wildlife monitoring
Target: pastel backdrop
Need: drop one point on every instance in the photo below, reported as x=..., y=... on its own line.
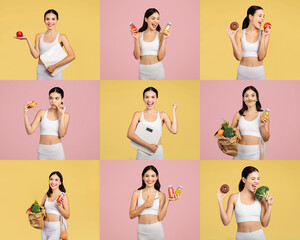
x=217, y=60
x=23, y=182
x=280, y=176
x=182, y=49
x=222, y=99
x=78, y=20
x=119, y=179
x=119, y=100
x=82, y=102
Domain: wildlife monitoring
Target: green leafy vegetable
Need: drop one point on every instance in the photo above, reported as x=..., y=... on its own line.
x=36, y=207
x=261, y=192
x=228, y=132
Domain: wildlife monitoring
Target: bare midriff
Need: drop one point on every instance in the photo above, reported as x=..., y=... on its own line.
x=52, y=217
x=248, y=226
x=251, y=62
x=149, y=59
x=249, y=140
x=148, y=219
x=49, y=139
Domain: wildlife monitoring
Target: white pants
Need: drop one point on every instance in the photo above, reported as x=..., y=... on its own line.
x=51, y=231
x=51, y=152
x=43, y=74
x=256, y=235
x=250, y=73
x=152, y=72
x=152, y=231
x=158, y=155
x=247, y=152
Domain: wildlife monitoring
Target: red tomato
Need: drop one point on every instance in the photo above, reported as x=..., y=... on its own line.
x=267, y=25
x=19, y=34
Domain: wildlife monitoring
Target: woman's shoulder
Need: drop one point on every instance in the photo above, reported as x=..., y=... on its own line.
x=237, y=115
x=233, y=197
x=161, y=195
x=38, y=35
x=137, y=114
x=41, y=112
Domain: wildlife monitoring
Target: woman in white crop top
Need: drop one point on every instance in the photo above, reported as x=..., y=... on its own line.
x=250, y=213
x=54, y=209
x=150, y=47
x=53, y=126
x=44, y=41
x=155, y=119
x=254, y=130
x=150, y=206
x=250, y=45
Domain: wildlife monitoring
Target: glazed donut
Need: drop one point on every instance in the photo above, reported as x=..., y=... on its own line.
x=32, y=104
x=234, y=26
x=224, y=188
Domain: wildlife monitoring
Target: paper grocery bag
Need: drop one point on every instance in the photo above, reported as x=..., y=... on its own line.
x=230, y=145
x=37, y=220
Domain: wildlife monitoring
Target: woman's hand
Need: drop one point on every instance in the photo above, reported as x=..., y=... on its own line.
x=26, y=107
x=266, y=32
x=134, y=33
x=153, y=147
x=174, y=106
x=269, y=199
x=166, y=34
x=59, y=204
x=174, y=198
x=61, y=109
x=21, y=38
x=220, y=195
x=231, y=33
x=150, y=200
x=264, y=121
x=51, y=69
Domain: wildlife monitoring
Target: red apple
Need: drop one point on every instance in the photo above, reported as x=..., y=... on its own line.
x=19, y=34
x=267, y=25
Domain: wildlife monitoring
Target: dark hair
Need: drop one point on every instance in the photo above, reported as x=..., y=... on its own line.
x=244, y=107
x=157, y=184
x=148, y=13
x=251, y=10
x=246, y=171
x=150, y=89
x=58, y=90
x=51, y=11
x=61, y=186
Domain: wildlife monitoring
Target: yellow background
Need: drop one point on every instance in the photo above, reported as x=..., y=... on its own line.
x=22, y=182
x=216, y=55
x=282, y=177
x=119, y=100
x=78, y=20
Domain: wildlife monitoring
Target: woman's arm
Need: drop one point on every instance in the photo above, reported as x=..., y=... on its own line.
x=263, y=47
x=136, y=48
x=44, y=200
x=64, y=120
x=133, y=137
x=163, y=205
x=64, y=207
x=235, y=120
x=30, y=128
x=162, y=45
x=35, y=51
x=266, y=208
x=235, y=37
x=172, y=126
x=265, y=128
x=226, y=216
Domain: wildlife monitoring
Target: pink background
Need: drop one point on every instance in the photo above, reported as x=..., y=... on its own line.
x=182, y=60
x=222, y=99
x=120, y=178
x=82, y=140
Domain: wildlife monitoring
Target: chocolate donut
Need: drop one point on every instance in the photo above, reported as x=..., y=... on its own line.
x=225, y=188
x=234, y=26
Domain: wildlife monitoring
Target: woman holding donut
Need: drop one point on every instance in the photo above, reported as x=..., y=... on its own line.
x=44, y=42
x=155, y=119
x=150, y=206
x=150, y=46
x=55, y=209
x=250, y=45
x=250, y=213
x=53, y=126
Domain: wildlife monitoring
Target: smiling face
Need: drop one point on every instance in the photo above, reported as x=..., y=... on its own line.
x=250, y=98
x=54, y=182
x=252, y=181
x=50, y=21
x=55, y=99
x=153, y=21
x=150, y=178
x=258, y=18
x=150, y=99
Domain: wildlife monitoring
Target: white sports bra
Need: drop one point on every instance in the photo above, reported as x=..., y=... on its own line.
x=49, y=127
x=151, y=210
x=149, y=48
x=44, y=47
x=51, y=207
x=155, y=124
x=247, y=213
x=250, y=128
x=250, y=49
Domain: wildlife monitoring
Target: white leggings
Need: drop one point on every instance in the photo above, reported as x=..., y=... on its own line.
x=247, y=152
x=43, y=74
x=158, y=155
x=152, y=231
x=250, y=73
x=51, y=231
x=256, y=235
x=51, y=152
x=154, y=71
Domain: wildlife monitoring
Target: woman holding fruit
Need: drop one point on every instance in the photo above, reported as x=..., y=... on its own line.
x=56, y=207
x=150, y=46
x=44, y=42
x=53, y=126
x=251, y=213
x=152, y=210
x=250, y=44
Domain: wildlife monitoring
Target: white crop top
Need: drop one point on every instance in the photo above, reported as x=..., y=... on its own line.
x=250, y=49
x=149, y=48
x=49, y=127
x=247, y=213
x=51, y=207
x=157, y=124
x=44, y=46
x=250, y=128
x=151, y=210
